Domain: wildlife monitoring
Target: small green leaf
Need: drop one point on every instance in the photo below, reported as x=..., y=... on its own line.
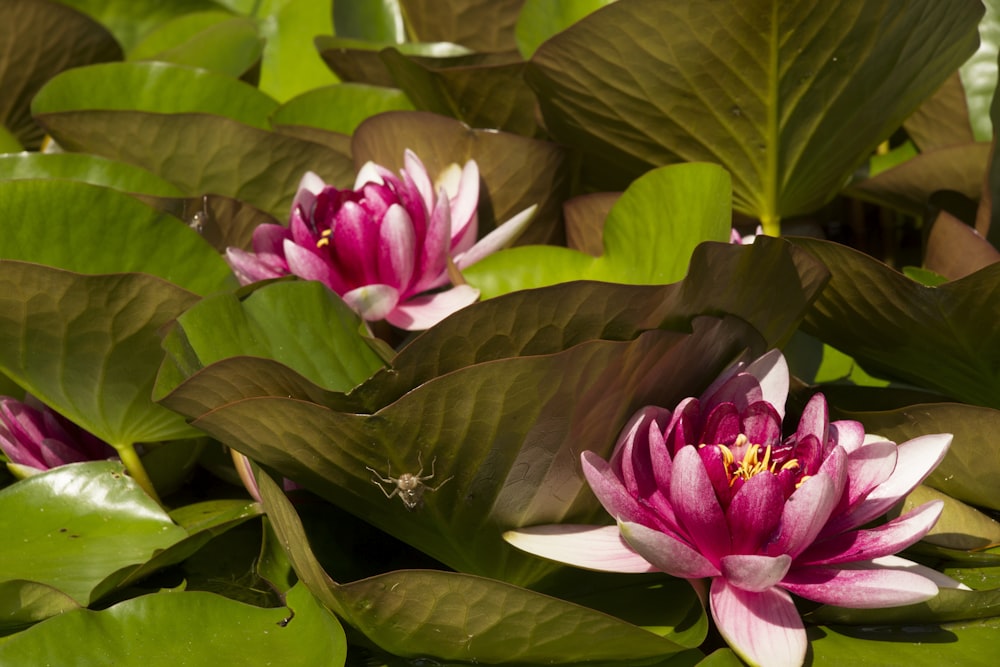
x=290, y=65
x=86, y=168
x=77, y=524
x=373, y=21
x=649, y=236
x=340, y=108
x=540, y=19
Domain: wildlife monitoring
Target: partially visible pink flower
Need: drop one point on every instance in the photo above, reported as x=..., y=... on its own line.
x=736, y=238
x=712, y=490
x=385, y=246
x=35, y=438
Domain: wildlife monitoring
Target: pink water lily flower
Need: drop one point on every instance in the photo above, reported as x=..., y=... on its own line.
x=712, y=490
x=385, y=247
x=34, y=438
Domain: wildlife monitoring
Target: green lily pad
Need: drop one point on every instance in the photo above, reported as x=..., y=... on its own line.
x=380, y=21
x=649, y=236
x=78, y=524
x=89, y=346
x=131, y=20
x=971, y=644
x=28, y=31
x=86, y=168
x=153, y=87
x=481, y=25
x=66, y=225
x=943, y=338
x=290, y=65
x=340, y=108
x=146, y=631
x=301, y=324
x=232, y=47
x=645, y=83
x=460, y=617
x=23, y=603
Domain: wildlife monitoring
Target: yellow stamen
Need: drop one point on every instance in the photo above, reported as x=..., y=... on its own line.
x=753, y=462
x=327, y=233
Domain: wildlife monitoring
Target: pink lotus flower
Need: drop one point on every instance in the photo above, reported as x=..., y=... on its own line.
x=34, y=438
x=711, y=490
x=385, y=247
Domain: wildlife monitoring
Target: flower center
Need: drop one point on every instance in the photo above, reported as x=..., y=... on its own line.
x=327, y=233
x=754, y=461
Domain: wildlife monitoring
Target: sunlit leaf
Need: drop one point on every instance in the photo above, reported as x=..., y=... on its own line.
x=378, y=21
x=818, y=86
x=185, y=628
x=87, y=168
x=963, y=643
x=649, y=236
x=340, y=108
x=481, y=25
x=131, y=20
x=540, y=19
x=232, y=47
x=77, y=524
x=979, y=73
x=290, y=64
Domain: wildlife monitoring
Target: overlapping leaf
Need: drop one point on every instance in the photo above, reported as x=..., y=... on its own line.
x=943, y=338
x=28, y=31
x=788, y=97
x=517, y=172
x=185, y=628
x=460, y=617
x=77, y=525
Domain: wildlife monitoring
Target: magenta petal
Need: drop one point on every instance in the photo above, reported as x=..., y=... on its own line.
x=815, y=419
x=848, y=434
x=423, y=312
x=434, y=255
x=722, y=425
x=354, y=244
x=416, y=170
x=862, y=585
x=250, y=268
x=867, y=468
x=755, y=512
x=762, y=424
x=372, y=302
x=771, y=370
x=667, y=553
x=308, y=265
x=915, y=459
x=590, y=547
x=612, y=493
x=270, y=239
x=883, y=540
x=763, y=628
x=695, y=505
x=755, y=573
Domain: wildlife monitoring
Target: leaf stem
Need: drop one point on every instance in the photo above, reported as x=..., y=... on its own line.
x=133, y=464
x=771, y=224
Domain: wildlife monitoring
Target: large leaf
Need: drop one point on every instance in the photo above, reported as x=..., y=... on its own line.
x=943, y=338
x=232, y=46
x=649, y=236
x=970, y=644
x=153, y=87
x=301, y=324
x=131, y=20
x=192, y=629
x=204, y=154
x=89, y=346
x=979, y=73
x=540, y=19
x=89, y=229
x=290, y=64
x=481, y=25
x=87, y=168
x=506, y=434
x=516, y=172
x=29, y=29
x=340, y=108
x=789, y=97
x=77, y=524
x=765, y=284
x=460, y=617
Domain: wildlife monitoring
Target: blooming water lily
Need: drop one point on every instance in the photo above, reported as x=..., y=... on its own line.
x=34, y=438
x=388, y=246
x=712, y=490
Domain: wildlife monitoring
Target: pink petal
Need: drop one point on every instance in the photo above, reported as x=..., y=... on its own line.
x=464, y=197
x=696, y=507
x=249, y=268
x=803, y=516
x=762, y=424
x=915, y=459
x=269, y=239
x=755, y=573
x=815, y=419
x=884, y=540
x=354, y=244
x=369, y=173
x=771, y=371
x=308, y=265
x=305, y=198
x=372, y=302
x=397, y=249
x=867, y=468
x=666, y=553
x=848, y=434
x=862, y=585
x=436, y=244
x=591, y=547
x=499, y=238
x=941, y=579
x=418, y=172
x=614, y=497
x=741, y=390
x=423, y=312
x=763, y=628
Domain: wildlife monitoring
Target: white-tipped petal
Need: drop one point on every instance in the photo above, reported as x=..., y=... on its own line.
x=590, y=547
